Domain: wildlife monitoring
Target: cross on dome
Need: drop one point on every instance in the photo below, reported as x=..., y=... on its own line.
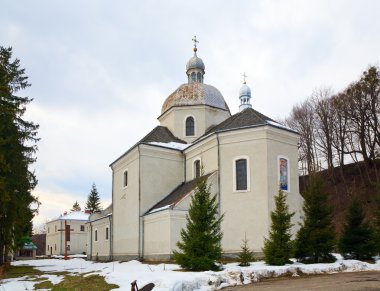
x=194, y=39
x=244, y=76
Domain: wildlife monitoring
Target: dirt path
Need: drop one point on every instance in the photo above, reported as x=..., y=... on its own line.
x=357, y=281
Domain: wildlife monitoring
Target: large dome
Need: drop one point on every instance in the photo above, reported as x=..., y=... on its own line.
x=195, y=94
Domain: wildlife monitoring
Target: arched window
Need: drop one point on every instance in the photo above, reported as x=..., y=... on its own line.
x=197, y=169
x=193, y=77
x=283, y=173
x=190, y=126
x=241, y=174
x=199, y=77
x=125, y=179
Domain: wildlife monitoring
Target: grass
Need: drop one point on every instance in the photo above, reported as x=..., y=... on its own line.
x=79, y=283
x=20, y=271
x=70, y=282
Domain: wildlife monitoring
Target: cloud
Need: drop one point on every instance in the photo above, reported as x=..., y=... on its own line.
x=100, y=72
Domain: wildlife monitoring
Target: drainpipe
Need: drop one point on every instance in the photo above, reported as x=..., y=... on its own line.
x=110, y=237
x=111, y=225
x=184, y=172
x=140, y=224
x=219, y=183
x=90, y=241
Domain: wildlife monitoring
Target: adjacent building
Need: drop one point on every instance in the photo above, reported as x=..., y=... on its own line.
x=75, y=231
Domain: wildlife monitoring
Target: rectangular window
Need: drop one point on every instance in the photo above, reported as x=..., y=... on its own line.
x=197, y=169
x=55, y=228
x=107, y=230
x=241, y=174
x=48, y=248
x=284, y=181
x=96, y=235
x=48, y=229
x=82, y=228
x=125, y=181
x=68, y=247
x=55, y=247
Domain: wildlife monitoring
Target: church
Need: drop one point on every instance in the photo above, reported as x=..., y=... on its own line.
x=246, y=158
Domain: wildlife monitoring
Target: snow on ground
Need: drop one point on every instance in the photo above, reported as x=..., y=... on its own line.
x=165, y=276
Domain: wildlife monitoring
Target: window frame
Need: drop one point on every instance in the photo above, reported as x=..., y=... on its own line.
x=82, y=228
x=279, y=157
x=96, y=234
x=194, y=126
x=107, y=233
x=125, y=178
x=234, y=184
x=197, y=159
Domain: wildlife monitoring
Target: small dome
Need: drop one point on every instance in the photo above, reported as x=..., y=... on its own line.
x=245, y=91
x=195, y=94
x=195, y=63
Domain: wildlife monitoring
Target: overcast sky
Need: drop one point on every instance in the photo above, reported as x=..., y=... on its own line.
x=101, y=70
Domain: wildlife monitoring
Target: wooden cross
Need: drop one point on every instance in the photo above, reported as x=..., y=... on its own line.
x=244, y=76
x=67, y=232
x=194, y=39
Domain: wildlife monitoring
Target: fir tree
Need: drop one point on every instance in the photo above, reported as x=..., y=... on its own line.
x=278, y=247
x=93, y=200
x=76, y=207
x=17, y=149
x=200, y=240
x=357, y=240
x=316, y=238
x=246, y=255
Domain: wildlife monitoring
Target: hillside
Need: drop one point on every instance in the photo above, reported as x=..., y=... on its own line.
x=342, y=183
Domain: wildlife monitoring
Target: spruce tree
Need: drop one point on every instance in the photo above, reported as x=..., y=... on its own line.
x=200, y=240
x=357, y=240
x=246, y=255
x=17, y=148
x=93, y=200
x=76, y=207
x=316, y=238
x=278, y=247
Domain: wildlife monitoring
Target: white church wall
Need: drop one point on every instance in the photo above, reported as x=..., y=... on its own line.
x=125, y=202
x=204, y=117
x=207, y=152
x=157, y=235
x=100, y=248
x=165, y=169
x=283, y=144
x=246, y=212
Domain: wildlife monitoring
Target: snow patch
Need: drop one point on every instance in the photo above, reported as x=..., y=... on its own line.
x=166, y=277
x=171, y=145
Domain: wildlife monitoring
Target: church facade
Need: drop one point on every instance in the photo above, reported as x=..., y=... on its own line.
x=246, y=157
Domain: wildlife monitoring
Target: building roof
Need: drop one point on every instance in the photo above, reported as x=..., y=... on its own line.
x=160, y=134
x=195, y=94
x=29, y=246
x=157, y=137
x=247, y=118
x=175, y=196
x=75, y=215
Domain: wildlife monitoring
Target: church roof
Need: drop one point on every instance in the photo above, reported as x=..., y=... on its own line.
x=247, y=118
x=175, y=196
x=160, y=134
x=195, y=94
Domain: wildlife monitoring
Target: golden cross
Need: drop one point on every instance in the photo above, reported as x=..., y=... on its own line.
x=194, y=39
x=244, y=76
